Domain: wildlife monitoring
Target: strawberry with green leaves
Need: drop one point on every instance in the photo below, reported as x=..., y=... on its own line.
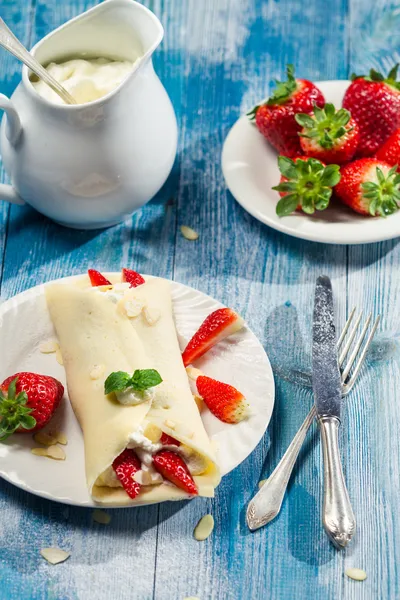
x=374, y=103
x=275, y=118
x=370, y=187
x=306, y=184
x=328, y=134
x=27, y=402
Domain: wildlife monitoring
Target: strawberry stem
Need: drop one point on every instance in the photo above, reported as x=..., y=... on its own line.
x=326, y=126
x=282, y=93
x=14, y=412
x=383, y=195
x=375, y=76
x=309, y=185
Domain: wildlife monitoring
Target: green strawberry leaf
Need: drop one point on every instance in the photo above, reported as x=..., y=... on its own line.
x=116, y=382
x=27, y=422
x=287, y=167
x=330, y=176
x=143, y=379
x=284, y=89
x=286, y=205
x=12, y=388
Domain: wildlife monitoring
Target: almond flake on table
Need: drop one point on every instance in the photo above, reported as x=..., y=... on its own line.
x=56, y=452
x=61, y=438
x=356, y=574
x=101, y=516
x=189, y=233
x=54, y=555
x=48, y=347
x=204, y=528
x=39, y=451
x=261, y=483
x=44, y=438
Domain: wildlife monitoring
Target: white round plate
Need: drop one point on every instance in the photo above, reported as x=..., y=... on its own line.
x=250, y=169
x=239, y=360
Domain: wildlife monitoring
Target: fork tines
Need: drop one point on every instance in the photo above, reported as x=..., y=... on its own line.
x=357, y=351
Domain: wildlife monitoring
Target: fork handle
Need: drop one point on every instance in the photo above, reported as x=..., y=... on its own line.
x=338, y=517
x=267, y=503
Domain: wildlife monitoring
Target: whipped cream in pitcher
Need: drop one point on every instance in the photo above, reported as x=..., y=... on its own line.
x=85, y=79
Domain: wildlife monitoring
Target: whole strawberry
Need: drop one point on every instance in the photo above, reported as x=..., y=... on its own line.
x=275, y=118
x=27, y=402
x=370, y=187
x=329, y=135
x=374, y=103
x=306, y=184
x=390, y=151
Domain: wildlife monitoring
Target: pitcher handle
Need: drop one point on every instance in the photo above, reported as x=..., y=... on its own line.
x=13, y=132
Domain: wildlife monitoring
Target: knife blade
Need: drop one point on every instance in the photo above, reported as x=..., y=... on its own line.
x=325, y=367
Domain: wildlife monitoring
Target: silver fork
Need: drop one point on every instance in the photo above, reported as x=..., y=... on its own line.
x=267, y=503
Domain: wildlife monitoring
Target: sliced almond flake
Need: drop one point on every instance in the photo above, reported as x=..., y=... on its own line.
x=261, y=483
x=44, y=438
x=54, y=555
x=183, y=430
x=199, y=401
x=204, y=528
x=193, y=373
x=151, y=314
x=59, y=357
x=133, y=307
x=39, y=451
x=48, y=347
x=189, y=233
x=61, y=438
x=170, y=424
x=101, y=516
x=356, y=574
x=56, y=452
x=97, y=372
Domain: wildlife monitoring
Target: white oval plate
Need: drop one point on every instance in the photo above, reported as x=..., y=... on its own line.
x=240, y=360
x=250, y=169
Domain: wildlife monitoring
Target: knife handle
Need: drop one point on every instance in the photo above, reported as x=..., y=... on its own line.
x=338, y=517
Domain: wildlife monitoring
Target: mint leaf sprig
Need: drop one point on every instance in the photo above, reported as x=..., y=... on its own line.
x=141, y=380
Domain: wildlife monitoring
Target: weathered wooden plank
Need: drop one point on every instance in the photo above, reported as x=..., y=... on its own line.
x=233, y=51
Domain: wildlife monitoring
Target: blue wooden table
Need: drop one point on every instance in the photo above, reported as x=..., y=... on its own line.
x=217, y=59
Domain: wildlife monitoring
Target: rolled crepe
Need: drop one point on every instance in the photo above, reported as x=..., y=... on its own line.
x=97, y=336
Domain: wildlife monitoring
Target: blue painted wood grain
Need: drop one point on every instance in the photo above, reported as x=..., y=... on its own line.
x=217, y=59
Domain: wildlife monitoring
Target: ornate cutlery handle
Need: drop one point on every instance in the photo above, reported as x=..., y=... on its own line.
x=338, y=517
x=267, y=503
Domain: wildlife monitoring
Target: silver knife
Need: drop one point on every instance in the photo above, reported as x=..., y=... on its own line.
x=338, y=517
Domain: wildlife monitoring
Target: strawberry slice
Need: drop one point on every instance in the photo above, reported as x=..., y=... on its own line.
x=224, y=401
x=125, y=466
x=173, y=468
x=96, y=278
x=168, y=440
x=218, y=325
x=129, y=276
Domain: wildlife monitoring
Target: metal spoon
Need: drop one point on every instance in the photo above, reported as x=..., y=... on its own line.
x=13, y=45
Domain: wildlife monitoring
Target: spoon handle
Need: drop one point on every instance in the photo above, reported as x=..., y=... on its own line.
x=13, y=45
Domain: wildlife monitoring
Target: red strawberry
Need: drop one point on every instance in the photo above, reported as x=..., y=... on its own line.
x=329, y=135
x=97, y=278
x=125, y=466
x=27, y=402
x=132, y=277
x=275, y=119
x=390, y=151
x=173, y=468
x=223, y=400
x=374, y=103
x=370, y=187
x=306, y=184
x=168, y=440
x=217, y=326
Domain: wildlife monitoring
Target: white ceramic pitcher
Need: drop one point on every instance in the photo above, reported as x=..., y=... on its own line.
x=91, y=165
